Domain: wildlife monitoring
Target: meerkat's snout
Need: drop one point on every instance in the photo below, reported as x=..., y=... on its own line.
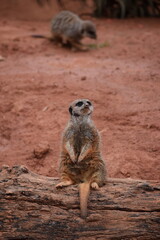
x=91, y=34
x=89, y=30
x=81, y=107
x=86, y=105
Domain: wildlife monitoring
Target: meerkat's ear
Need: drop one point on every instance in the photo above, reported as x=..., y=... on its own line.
x=70, y=110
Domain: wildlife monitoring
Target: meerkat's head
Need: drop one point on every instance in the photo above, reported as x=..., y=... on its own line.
x=89, y=30
x=81, y=107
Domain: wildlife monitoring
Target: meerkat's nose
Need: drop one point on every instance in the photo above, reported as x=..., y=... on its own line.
x=86, y=104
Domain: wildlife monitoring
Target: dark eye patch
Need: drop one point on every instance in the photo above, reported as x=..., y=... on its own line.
x=91, y=32
x=79, y=104
x=70, y=110
x=82, y=31
x=89, y=103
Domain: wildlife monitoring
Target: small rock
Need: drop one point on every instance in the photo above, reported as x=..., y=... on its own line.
x=17, y=39
x=15, y=48
x=94, y=218
x=41, y=150
x=2, y=58
x=83, y=78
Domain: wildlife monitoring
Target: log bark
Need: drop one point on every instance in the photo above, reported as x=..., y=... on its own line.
x=31, y=208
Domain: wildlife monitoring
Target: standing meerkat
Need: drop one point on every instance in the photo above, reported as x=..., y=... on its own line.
x=81, y=162
x=68, y=28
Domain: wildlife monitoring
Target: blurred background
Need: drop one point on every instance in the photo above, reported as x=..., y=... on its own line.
x=120, y=73
x=97, y=8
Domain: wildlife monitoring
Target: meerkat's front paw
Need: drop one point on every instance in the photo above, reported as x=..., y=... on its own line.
x=94, y=185
x=80, y=158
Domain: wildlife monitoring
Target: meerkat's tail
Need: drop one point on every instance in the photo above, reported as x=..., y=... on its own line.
x=42, y=36
x=84, y=190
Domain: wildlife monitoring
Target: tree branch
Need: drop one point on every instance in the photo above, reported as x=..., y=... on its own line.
x=32, y=208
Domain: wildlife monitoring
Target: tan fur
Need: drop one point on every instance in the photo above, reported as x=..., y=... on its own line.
x=81, y=161
x=68, y=29
x=84, y=189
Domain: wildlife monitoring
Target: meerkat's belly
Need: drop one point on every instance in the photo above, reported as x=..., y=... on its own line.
x=78, y=143
x=80, y=172
x=80, y=139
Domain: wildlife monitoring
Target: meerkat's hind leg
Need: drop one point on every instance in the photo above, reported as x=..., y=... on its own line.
x=97, y=180
x=57, y=39
x=64, y=40
x=64, y=183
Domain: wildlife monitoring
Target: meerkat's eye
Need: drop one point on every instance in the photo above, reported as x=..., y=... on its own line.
x=82, y=31
x=79, y=104
x=89, y=103
x=91, y=32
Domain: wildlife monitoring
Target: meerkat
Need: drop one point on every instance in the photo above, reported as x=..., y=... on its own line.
x=81, y=161
x=67, y=28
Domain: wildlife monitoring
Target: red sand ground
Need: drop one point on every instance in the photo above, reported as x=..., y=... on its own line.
x=38, y=80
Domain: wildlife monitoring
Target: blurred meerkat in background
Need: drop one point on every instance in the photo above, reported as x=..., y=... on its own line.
x=68, y=28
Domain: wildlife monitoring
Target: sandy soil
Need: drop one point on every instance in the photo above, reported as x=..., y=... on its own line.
x=38, y=80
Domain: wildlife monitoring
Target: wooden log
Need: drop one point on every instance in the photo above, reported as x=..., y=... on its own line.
x=31, y=208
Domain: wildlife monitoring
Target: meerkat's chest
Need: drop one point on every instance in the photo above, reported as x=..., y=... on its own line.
x=83, y=133
x=81, y=136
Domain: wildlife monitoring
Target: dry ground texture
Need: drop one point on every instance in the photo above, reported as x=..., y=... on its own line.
x=38, y=80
